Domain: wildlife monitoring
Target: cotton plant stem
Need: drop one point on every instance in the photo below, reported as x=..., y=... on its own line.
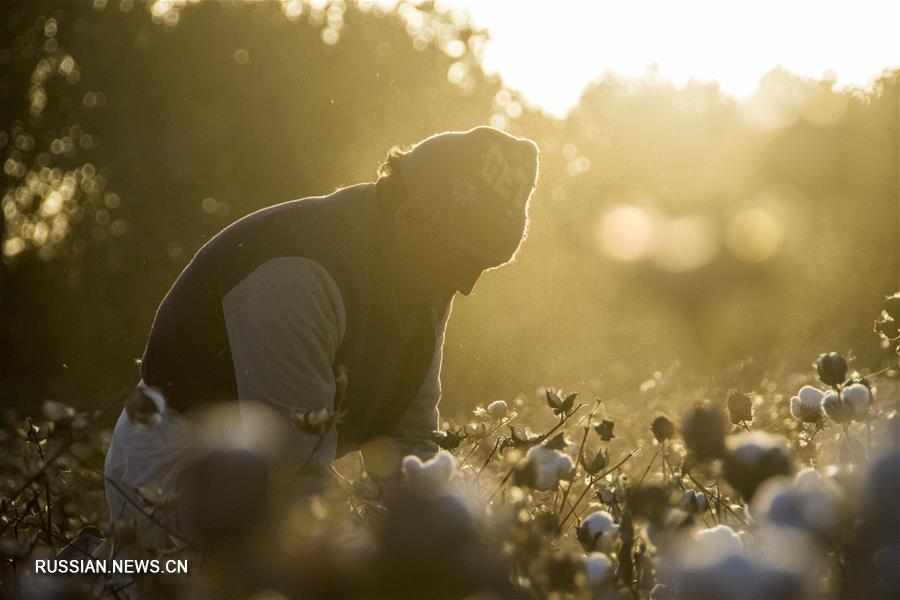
x=478, y=443
x=662, y=463
x=114, y=592
x=35, y=476
x=311, y=455
x=36, y=501
x=27, y=509
x=51, y=460
x=849, y=442
x=115, y=484
x=468, y=464
x=59, y=452
x=49, y=502
x=577, y=463
x=573, y=507
x=708, y=494
x=649, y=466
x=502, y=483
x=489, y=458
x=61, y=537
x=540, y=439
x=32, y=437
x=148, y=515
x=562, y=422
x=714, y=514
x=718, y=501
x=16, y=524
x=591, y=481
x=868, y=438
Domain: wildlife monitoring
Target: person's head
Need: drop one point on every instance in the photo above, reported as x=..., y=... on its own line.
x=456, y=204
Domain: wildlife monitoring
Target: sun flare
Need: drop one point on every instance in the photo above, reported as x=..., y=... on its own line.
x=732, y=43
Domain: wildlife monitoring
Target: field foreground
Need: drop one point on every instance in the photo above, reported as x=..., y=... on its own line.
x=682, y=490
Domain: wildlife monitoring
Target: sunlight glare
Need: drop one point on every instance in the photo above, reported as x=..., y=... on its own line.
x=549, y=52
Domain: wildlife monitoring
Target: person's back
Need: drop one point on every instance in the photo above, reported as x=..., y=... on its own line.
x=187, y=355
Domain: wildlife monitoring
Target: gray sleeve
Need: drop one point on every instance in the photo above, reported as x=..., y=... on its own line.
x=285, y=321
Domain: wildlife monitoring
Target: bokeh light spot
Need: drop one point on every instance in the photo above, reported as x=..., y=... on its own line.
x=330, y=36
x=686, y=243
x=627, y=233
x=753, y=235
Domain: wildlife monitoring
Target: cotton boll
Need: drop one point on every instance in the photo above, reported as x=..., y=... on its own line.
x=878, y=506
x=720, y=540
x=809, y=502
x=872, y=556
x=806, y=406
x=718, y=579
x=832, y=368
x=497, y=409
x=754, y=457
x=750, y=448
x=736, y=576
x=661, y=534
x=597, y=532
x=836, y=409
x=429, y=479
x=789, y=559
x=857, y=395
x=144, y=406
x=702, y=554
x=715, y=563
x=430, y=547
x=694, y=502
x=544, y=467
x=225, y=497
x=703, y=429
x=663, y=428
x=599, y=570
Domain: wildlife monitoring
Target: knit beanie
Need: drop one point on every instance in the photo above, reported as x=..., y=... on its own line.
x=475, y=185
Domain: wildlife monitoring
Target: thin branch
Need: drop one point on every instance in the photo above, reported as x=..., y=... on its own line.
x=487, y=435
x=591, y=482
x=174, y=535
x=649, y=466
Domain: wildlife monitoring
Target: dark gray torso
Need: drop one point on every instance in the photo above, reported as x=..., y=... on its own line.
x=386, y=352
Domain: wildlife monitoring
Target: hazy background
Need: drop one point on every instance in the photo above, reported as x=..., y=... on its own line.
x=671, y=224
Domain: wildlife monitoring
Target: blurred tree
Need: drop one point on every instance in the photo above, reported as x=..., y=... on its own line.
x=134, y=131
x=207, y=114
x=802, y=173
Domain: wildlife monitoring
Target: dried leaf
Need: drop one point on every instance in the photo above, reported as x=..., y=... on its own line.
x=605, y=429
x=558, y=441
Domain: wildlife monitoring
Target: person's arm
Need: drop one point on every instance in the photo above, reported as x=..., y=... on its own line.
x=411, y=434
x=285, y=321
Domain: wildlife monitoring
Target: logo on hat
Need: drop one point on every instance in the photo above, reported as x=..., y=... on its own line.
x=507, y=182
x=463, y=191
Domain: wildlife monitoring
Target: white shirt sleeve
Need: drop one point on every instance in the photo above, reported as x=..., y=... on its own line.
x=285, y=321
